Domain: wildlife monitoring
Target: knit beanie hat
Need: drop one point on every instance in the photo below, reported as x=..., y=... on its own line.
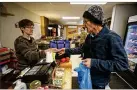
x=94, y=14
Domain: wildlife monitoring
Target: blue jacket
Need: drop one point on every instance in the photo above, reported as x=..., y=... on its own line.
x=107, y=55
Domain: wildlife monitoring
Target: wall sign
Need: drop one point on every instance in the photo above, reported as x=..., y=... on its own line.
x=72, y=32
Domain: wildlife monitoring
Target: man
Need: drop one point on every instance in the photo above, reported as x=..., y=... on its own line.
x=26, y=47
x=103, y=49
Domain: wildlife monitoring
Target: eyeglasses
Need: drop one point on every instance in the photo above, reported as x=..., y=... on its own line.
x=30, y=27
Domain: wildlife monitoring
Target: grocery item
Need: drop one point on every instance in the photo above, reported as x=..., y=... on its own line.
x=59, y=73
x=35, y=84
x=20, y=85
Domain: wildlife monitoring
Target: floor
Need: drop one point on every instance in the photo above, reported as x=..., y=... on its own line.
x=115, y=83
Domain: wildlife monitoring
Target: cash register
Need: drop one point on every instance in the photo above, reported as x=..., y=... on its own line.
x=41, y=71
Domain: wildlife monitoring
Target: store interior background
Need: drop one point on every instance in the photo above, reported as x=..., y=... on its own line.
x=48, y=14
x=53, y=13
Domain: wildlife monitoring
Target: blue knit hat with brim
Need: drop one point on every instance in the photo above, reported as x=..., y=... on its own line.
x=94, y=14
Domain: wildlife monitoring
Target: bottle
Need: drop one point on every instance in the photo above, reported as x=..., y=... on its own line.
x=20, y=85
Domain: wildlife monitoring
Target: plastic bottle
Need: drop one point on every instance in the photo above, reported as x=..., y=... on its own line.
x=20, y=85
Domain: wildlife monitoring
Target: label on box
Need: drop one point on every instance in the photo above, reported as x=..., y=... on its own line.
x=57, y=82
x=59, y=73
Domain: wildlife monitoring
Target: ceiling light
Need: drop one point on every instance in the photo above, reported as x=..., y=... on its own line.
x=87, y=3
x=71, y=23
x=50, y=27
x=70, y=17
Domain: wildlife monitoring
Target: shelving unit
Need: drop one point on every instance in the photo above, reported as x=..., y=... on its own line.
x=130, y=42
x=132, y=64
x=133, y=60
x=131, y=46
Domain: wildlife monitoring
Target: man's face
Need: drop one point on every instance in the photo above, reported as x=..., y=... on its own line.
x=89, y=25
x=28, y=30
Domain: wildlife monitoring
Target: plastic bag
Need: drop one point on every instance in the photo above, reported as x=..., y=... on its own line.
x=84, y=78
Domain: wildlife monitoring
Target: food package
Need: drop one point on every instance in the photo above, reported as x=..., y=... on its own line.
x=58, y=82
x=59, y=73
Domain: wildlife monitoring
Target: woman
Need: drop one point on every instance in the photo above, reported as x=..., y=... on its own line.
x=26, y=47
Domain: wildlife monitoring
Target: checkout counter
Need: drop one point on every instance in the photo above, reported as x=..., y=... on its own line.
x=35, y=73
x=8, y=64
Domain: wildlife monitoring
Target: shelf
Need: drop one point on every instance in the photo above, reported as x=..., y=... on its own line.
x=132, y=42
x=131, y=70
x=133, y=60
x=133, y=34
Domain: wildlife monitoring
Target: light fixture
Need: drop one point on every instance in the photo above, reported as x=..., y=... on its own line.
x=88, y=3
x=71, y=22
x=70, y=17
x=50, y=28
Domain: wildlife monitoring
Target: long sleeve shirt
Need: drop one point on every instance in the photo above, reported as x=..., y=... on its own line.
x=27, y=52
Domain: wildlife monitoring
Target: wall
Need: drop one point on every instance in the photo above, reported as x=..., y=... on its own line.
x=8, y=32
x=132, y=19
x=64, y=33
x=120, y=16
x=44, y=25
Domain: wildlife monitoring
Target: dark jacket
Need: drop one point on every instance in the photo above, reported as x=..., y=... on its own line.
x=107, y=55
x=27, y=52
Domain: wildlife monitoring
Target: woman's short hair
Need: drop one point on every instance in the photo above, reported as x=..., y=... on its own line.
x=25, y=22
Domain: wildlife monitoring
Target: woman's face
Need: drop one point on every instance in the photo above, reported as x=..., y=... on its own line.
x=89, y=25
x=28, y=30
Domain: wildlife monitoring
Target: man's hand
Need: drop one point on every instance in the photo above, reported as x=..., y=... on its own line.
x=87, y=62
x=61, y=51
x=54, y=50
x=51, y=50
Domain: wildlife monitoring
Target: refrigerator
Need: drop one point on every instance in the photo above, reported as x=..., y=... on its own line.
x=131, y=43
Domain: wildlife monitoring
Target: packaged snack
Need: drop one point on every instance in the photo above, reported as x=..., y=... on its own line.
x=59, y=73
